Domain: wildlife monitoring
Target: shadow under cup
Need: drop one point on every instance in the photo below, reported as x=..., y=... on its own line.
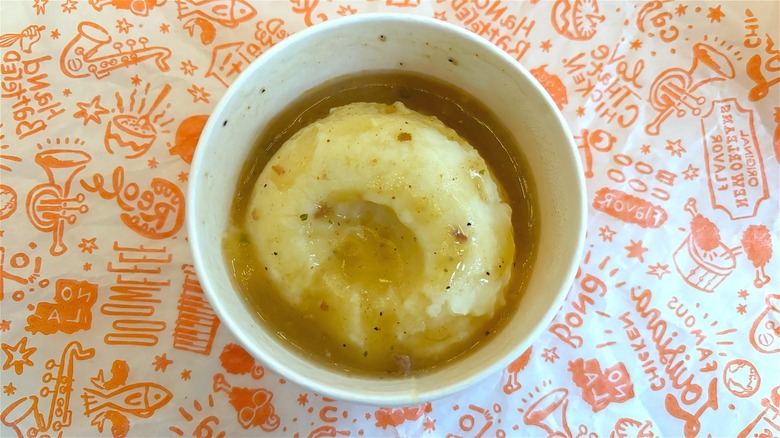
x=389, y=42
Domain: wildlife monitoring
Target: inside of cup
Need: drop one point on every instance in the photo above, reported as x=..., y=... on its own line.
x=383, y=42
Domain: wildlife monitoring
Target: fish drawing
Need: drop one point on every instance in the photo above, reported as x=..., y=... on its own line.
x=228, y=13
x=139, y=399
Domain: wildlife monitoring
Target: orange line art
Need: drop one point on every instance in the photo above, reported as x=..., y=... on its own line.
x=741, y=378
x=307, y=7
x=140, y=8
x=71, y=310
x=206, y=428
x=389, y=417
x=156, y=213
x=133, y=132
x=187, y=136
x=514, y=368
x=82, y=56
x=549, y=413
x=692, y=424
x=600, y=388
x=50, y=206
x=111, y=399
x=672, y=91
x=576, y=19
x=204, y=14
x=236, y=360
x=629, y=208
x=196, y=323
x=767, y=422
x=327, y=431
x=24, y=415
x=26, y=38
x=254, y=407
x=553, y=84
x=229, y=60
x=765, y=331
x=17, y=261
x=7, y=202
x=630, y=428
x=599, y=140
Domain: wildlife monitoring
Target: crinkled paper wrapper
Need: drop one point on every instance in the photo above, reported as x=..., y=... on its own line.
x=670, y=328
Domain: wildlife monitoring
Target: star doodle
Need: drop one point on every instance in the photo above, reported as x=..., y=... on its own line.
x=715, y=14
x=675, y=147
x=680, y=10
x=580, y=111
x=440, y=15
x=550, y=354
x=645, y=149
x=545, y=46
x=165, y=28
x=186, y=374
x=135, y=80
x=303, y=399
x=9, y=389
x=88, y=245
x=90, y=111
x=198, y=94
x=743, y=294
x=66, y=92
x=606, y=233
x=161, y=362
x=183, y=176
x=40, y=6
x=429, y=424
x=658, y=270
x=636, y=45
x=691, y=172
x=18, y=363
x=636, y=250
x=741, y=309
x=55, y=34
x=346, y=10
x=152, y=163
x=87, y=267
x=69, y=6
x=188, y=68
x=124, y=26
x=5, y=325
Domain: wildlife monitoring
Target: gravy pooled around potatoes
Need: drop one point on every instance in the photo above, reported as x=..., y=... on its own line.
x=375, y=237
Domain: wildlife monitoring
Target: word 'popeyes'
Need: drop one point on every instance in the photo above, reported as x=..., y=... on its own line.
x=33, y=106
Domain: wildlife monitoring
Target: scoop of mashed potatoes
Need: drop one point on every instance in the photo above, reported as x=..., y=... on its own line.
x=385, y=227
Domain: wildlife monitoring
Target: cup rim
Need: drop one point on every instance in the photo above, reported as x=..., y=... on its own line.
x=412, y=395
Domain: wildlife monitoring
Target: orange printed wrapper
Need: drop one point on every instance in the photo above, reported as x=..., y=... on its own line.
x=671, y=325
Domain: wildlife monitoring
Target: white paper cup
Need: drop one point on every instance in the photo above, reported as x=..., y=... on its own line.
x=382, y=42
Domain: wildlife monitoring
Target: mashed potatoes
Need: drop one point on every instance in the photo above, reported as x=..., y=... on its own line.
x=387, y=229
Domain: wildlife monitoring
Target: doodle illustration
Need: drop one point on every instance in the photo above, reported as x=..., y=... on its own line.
x=205, y=13
x=672, y=91
x=549, y=413
x=552, y=84
x=630, y=428
x=741, y=378
x=253, y=406
x=514, y=368
x=236, y=360
x=50, y=205
x=629, y=208
x=20, y=261
x=476, y=427
x=767, y=422
x=229, y=60
x=389, y=417
x=26, y=38
x=24, y=415
x=71, y=310
x=7, y=201
x=327, y=431
x=599, y=140
x=112, y=399
x=140, y=8
x=86, y=54
x=704, y=261
x=187, y=136
x=600, y=387
x=156, y=213
x=765, y=331
x=691, y=422
x=754, y=71
x=197, y=324
x=576, y=19
x=135, y=133
x=206, y=427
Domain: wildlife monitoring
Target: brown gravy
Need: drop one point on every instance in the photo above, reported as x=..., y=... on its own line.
x=471, y=119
